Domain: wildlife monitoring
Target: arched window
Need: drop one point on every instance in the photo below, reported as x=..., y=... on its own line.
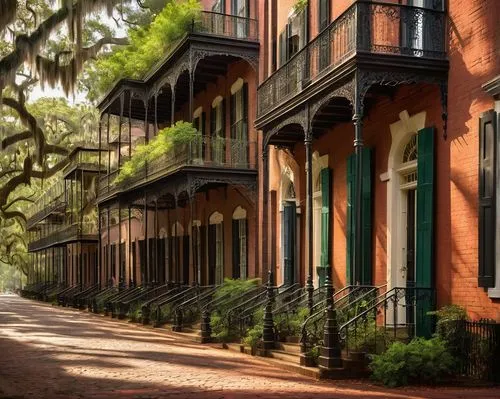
x=215, y=249
x=239, y=244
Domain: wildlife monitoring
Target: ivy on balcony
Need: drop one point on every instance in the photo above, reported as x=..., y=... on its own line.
x=166, y=139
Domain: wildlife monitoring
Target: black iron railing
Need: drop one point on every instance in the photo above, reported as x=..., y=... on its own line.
x=65, y=233
x=476, y=345
x=365, y=27
x=204, y=151
x=232, y=26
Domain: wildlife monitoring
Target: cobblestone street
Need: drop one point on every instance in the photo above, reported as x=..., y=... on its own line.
x=51, y=352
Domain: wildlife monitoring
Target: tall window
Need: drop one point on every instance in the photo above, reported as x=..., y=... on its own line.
x=240, y=253
x=239, y=123
x=240, y=8
x=293, y=37
x=217, y=132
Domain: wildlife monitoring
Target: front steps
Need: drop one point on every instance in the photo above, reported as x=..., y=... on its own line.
x=287, y=357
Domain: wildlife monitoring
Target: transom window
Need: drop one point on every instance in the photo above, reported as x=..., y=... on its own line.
x=410, y=151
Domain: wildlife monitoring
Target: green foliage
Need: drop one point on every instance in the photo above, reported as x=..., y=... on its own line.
x=299, y=6
x=368, y=337
x=419, y=362
x=135, y=312
x=165, y=141
x=148, y=45
x=290, y=324
x=221, y=326
x=254, y=334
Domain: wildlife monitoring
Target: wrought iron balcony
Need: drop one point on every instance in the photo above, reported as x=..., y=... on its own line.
x=85, y=231
x=365, y=28
x=51, y=201
x=83, y=159
x=232, y=26
x=214, y=152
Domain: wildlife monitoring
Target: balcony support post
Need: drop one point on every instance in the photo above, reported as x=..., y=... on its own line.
x=130, y=249
x=309, y=218
x=155, y=274
x=144, y=280
x=172, y=106
x=268, y=330
x=265, y=210
x=358, y=150
x=191, y=94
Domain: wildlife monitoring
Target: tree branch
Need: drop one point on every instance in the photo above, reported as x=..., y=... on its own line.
x=18, y=199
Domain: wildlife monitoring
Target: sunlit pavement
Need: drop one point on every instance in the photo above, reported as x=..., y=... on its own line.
x=52, y=352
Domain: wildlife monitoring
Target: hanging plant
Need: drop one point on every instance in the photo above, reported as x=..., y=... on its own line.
x=299, y=6
x=166, y=139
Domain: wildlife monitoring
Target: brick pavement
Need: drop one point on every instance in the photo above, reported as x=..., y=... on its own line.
x=50, y=352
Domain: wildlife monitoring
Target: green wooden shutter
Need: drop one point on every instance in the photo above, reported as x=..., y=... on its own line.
x=425, y=232
x=211, y=254
x=325, y=225
x=351, y=178
x=366, y=209
x=487, y=199
x=244, y=135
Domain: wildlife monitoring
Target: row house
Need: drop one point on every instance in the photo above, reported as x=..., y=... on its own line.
x=380, y=141
x=62, y=224
x=190, y=216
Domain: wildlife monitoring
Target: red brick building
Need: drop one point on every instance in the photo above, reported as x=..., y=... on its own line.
x=411, y=76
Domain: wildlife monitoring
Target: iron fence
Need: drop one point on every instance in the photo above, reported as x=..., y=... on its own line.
x=476, y=345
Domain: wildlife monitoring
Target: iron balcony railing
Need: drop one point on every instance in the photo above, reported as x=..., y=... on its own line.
x=51, y=200
x=232, y=26
x=365, y=27
x=65, y=233
x=83, y=159
x=201, y=151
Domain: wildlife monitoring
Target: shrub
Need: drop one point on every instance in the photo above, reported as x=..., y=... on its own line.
x=368, y=337
x=254, y=334
x=420, y=361
x=290, y=324
x=222, y=327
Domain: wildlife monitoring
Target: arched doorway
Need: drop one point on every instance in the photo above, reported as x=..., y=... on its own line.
x=288, y=228
x=240, y=253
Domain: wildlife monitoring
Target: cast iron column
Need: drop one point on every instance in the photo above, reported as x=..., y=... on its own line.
x=309, y=220
x=265, y=210
x=358, y=218
x=330, y=354
x=268, y=332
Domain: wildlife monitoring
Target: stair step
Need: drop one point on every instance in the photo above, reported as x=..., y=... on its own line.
x=289, y=347
x=285, y=356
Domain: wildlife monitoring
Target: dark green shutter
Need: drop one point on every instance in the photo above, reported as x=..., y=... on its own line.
x=245, y=112
x=203, y=257
x=236, y=249
x=487, y=199
x=289, y=221
x=366, y=209
x=325, y=224
x=425, y=230
x=201, y=144
x=351, y=178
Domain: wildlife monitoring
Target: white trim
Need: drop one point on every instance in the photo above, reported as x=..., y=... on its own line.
x=237, y=86
x=163, y=232
x=217, y=100
x=197, y=112
x=216, y=218
x=196, y=223
x=239, y=213
x=401, y=133
x=495, y=292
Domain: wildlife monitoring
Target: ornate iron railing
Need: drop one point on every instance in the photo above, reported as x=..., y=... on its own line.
x=395, y=316
x=63, y=234
x=50, y=201
x=367, y=27
x=84, y=159
x=476, y=346
x=203, y=151
x=232, y=26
